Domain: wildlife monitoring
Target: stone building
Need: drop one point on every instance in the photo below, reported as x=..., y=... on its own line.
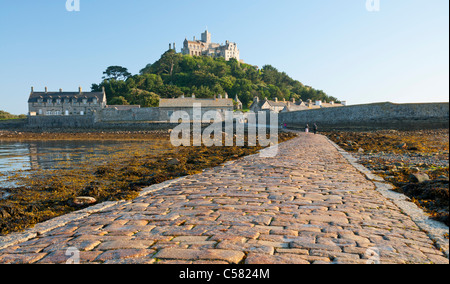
x=288, y=106
x=205, y=47
x=238, y=104
x=65, y=103
x=267, y=105
x=167, y=107
x=309, y=104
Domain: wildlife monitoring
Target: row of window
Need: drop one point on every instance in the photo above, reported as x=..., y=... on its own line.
x=58, y=112
x=198, y=53
x=194, y=46
x=59, y=101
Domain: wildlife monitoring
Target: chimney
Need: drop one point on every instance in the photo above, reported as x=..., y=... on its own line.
x=220, y=96
x=332, y=103
x=80, y=90
x=32, y=89
x=182, y=96
x=226, y=95
x=193, y=96
x=276, y=100
x=293, y=100
x=60, y=90
x=46, y=90
x=318, y=103
x=174, y=48
x=170, y=46
x=344, y=103
x=103, y=90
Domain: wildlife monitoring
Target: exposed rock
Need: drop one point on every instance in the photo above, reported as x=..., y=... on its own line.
x=444, y=178
x=83, y=201
x=173, y=162
x=402, y=146
x=419, y=177
x=415, y=169
x=4, y=194
x=4, y=214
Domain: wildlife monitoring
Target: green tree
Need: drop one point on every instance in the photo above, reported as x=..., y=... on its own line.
x=175, y=74
x=144, y=98
x=116, y=73
x=118, y=101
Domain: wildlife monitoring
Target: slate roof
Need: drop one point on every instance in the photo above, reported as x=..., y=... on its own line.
x=71, y=96
x=123, y=107
x=274, y=103
x=271, y=103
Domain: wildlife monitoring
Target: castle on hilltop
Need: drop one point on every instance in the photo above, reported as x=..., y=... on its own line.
x=205, y=47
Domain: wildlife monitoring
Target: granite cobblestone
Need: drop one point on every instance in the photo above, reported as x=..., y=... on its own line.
x=308, y=205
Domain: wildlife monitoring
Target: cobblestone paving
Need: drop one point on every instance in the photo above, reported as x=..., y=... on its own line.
x=306, y=205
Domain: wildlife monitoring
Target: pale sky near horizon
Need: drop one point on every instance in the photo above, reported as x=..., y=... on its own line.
x=398, y=54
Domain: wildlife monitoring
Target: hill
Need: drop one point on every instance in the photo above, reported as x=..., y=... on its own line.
x=175, y=74
x=6, y=116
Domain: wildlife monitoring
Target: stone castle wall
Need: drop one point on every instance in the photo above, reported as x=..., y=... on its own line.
x=376, y=116
x=138, y=114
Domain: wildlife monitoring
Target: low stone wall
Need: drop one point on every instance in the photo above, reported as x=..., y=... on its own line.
x=372, y=116
x=42, y=122
x=12, y=124
x=138, y=114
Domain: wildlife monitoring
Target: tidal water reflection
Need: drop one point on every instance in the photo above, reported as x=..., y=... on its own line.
x=25, y=156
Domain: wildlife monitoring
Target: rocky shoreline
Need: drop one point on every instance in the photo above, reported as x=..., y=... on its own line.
x=415, y=162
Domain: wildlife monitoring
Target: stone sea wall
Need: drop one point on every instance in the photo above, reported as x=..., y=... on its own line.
x=372, y=116
x=43, y=122
x=357, y=117
x=137, y=114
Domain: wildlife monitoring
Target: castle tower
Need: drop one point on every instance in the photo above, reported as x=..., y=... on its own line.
x=206, y=37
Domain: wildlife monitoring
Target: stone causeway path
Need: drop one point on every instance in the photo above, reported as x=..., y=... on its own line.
x=309, y=204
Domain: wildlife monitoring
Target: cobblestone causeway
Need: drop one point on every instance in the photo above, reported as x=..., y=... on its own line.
x=306, y=205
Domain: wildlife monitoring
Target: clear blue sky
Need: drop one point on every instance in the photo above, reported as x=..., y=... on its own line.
x=398, y=54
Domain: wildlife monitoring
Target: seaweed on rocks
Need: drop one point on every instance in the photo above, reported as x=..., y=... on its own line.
x=45, y=194
x=415, y=162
